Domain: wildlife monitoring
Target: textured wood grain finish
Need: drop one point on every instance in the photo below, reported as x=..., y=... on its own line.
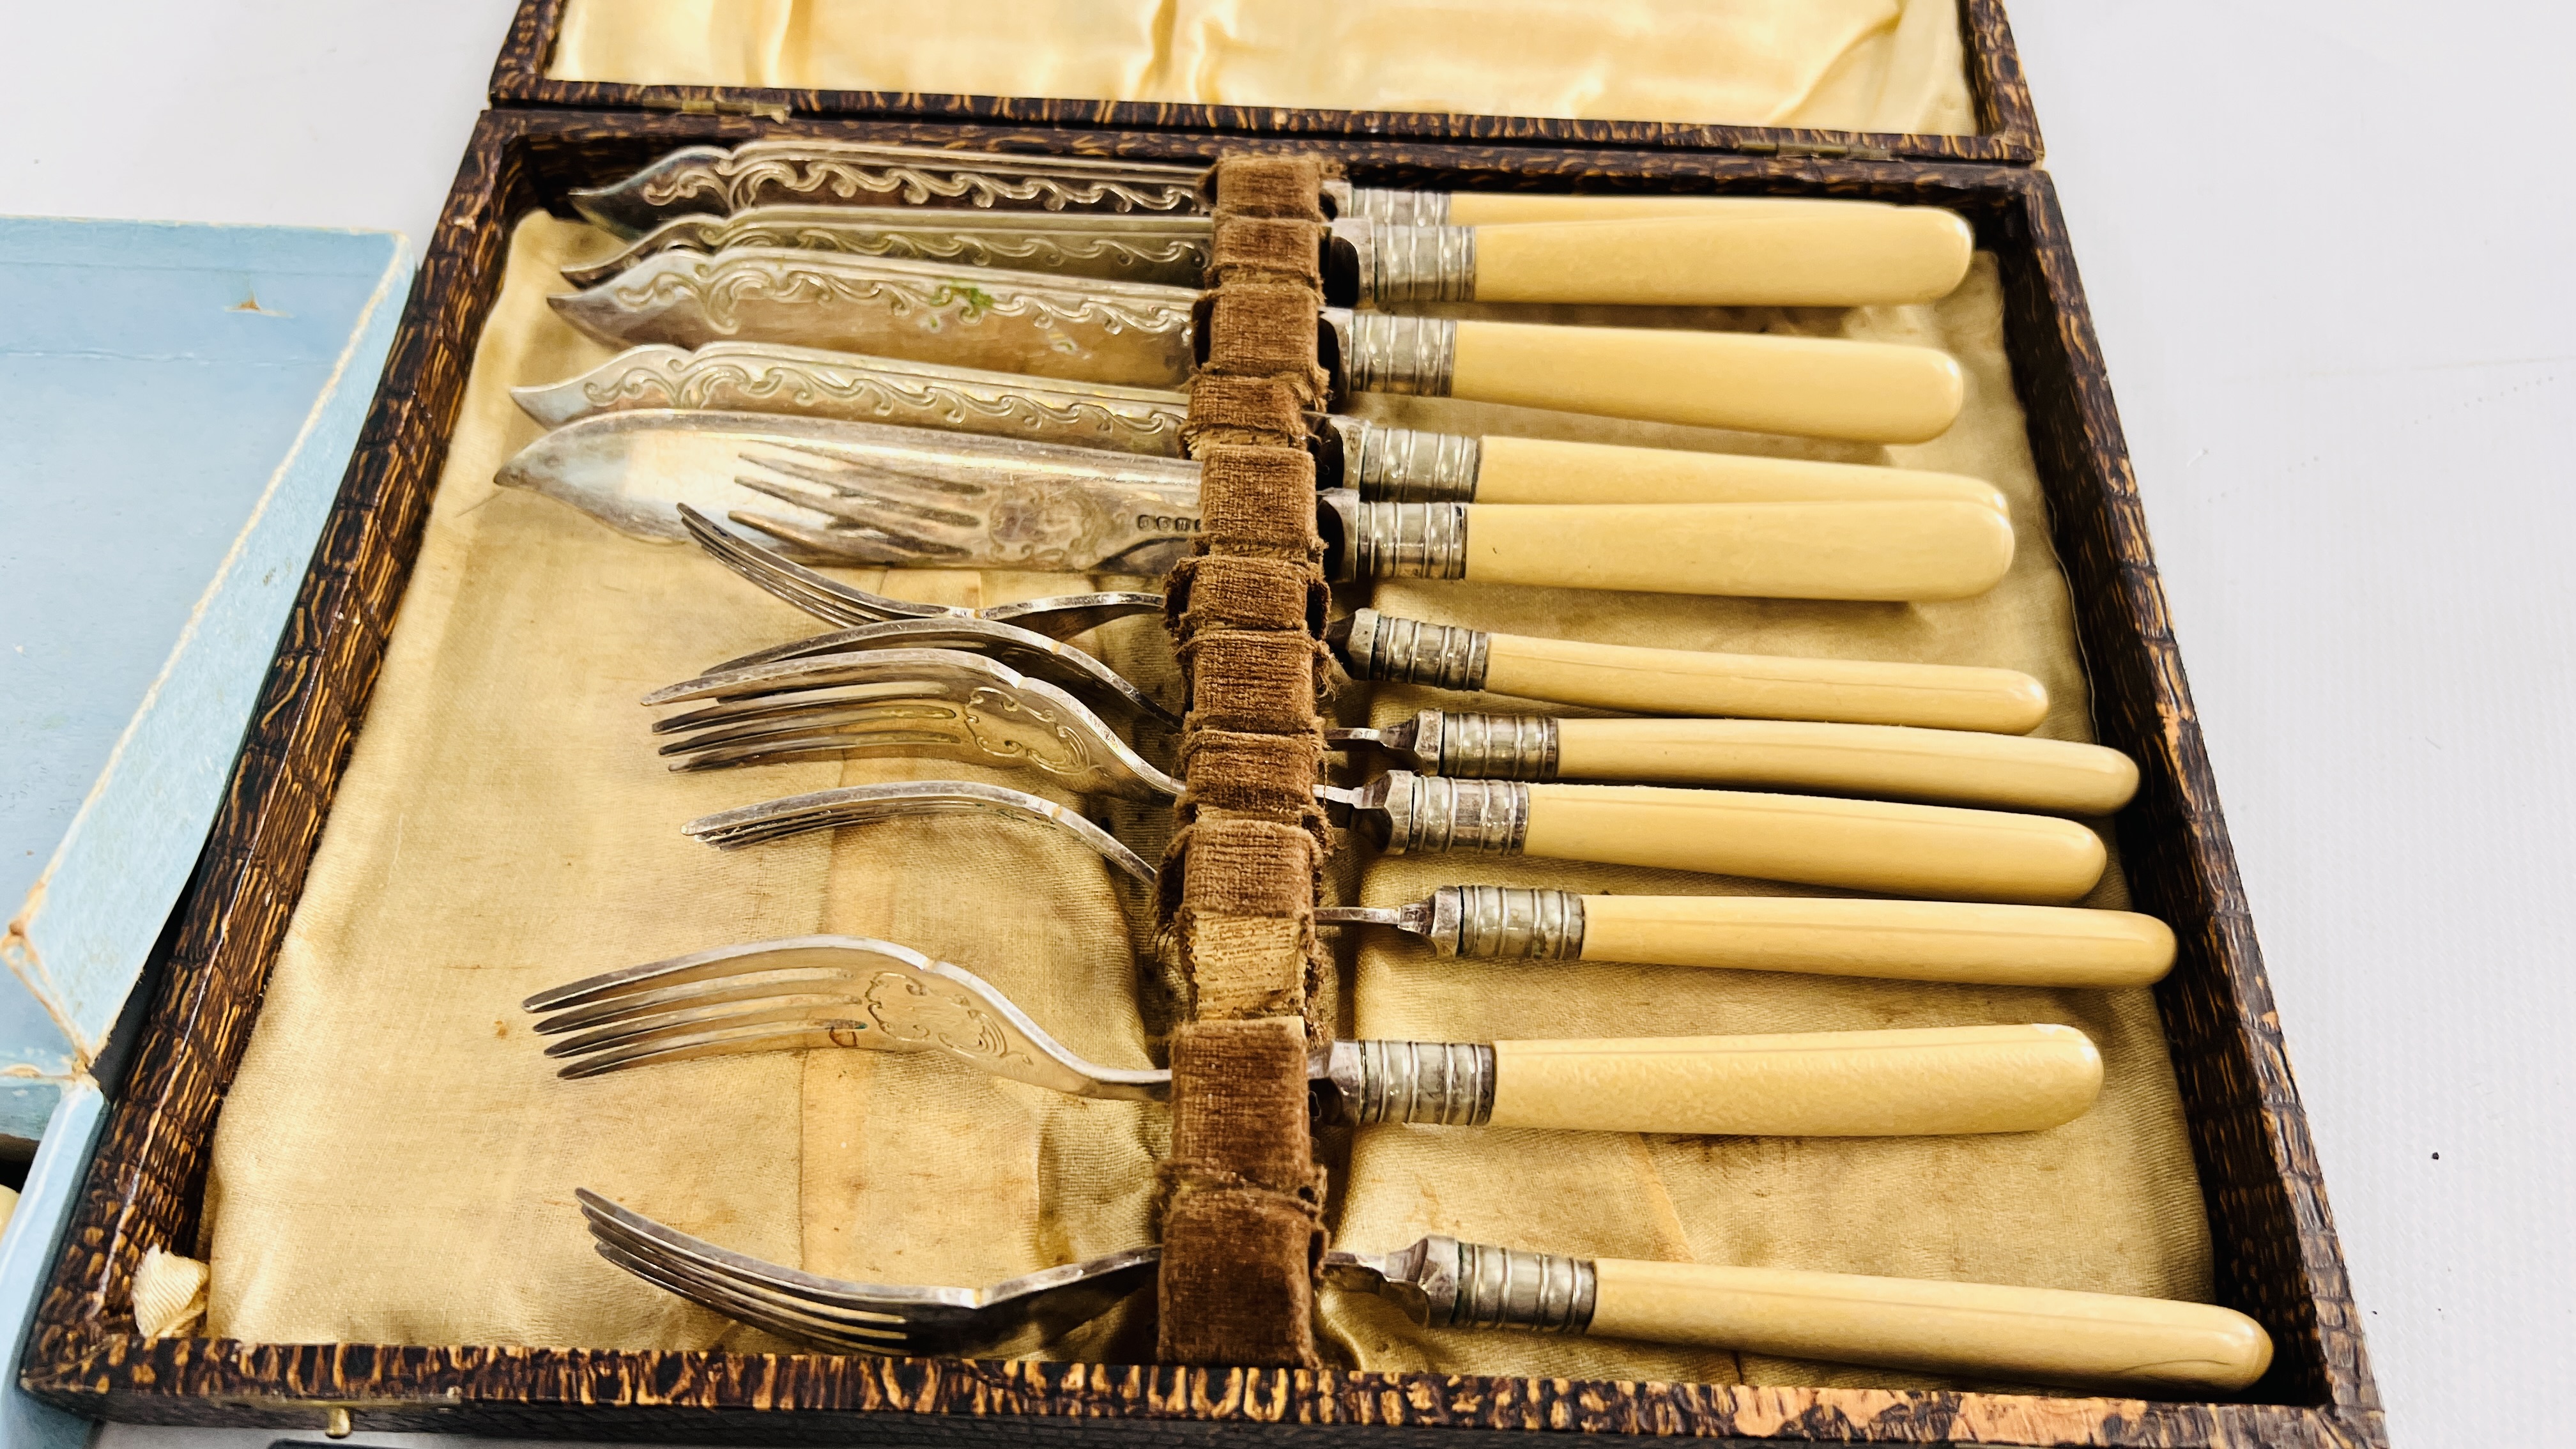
x=2277, y=1255
x=2008, y=128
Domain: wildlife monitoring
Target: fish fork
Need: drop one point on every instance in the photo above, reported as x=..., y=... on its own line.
x=941, y=703
x=843, y=991
x=1870, y=846
x=1372, y=646
x=874, y=495
x=859, y=704
x=1060, y=616
x=2092, y=1340
x=826, y=660
x=962, y=706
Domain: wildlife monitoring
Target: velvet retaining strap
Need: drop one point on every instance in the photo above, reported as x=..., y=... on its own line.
x=1241, y=1224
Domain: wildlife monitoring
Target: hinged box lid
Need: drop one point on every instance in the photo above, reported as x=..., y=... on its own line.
x=560, y=53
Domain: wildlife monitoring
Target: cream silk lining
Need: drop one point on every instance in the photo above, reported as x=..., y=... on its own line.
x=1861, y=65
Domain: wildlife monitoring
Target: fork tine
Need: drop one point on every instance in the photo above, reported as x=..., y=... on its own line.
x=879, y=518
x=796, y=584
x=792, y=702
x=875, y=1318
x=947, y=705
x=1027, y=651
x=850, y=550
x=865, y=1317
x=641, y=1050
x=705, y=991
x=862, y=804
x=845, y=953
x=874, y=670
x=891, y=1305
x=757, y=1312
x=790, y=749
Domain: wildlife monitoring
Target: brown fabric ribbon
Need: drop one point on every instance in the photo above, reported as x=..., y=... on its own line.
x=1242, y=1224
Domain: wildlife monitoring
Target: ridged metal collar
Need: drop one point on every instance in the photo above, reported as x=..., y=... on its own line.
x=1371, y=263
x=1381, y=352
x=1406, y=465
x=1409, y=651
x=1384, y=204
x=1394, y=540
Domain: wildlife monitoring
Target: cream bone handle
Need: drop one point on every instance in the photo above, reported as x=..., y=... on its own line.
x=1794, y=257
x=1976, y=1330
x=1632, y=680
x=1920, y=1082
x=1862, y=845
x=1491, y=208
x=1883, y=761
x=1953, y=941
x=1981, y=1330
x=1889, y=551
x=1411, y=465
x=1872, y=392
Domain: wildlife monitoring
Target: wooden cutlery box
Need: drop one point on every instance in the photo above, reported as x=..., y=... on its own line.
x=2275, y=1252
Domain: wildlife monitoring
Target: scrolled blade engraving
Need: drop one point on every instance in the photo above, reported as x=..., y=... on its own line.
x=1123, y=333
x=826, y=173
x=1161, y=250
x=809, y=382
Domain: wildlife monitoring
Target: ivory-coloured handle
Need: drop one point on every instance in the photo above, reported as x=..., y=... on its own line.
x=1888, y=551
x=1881, y=761
x=1818, y=257
x=1893, y=940
x=1547, y=470
x=1863, y=845
x=1763, y=686
x=1925, y=1082
x=1822, y=387
x=1495, y=208
x=1987, y=1331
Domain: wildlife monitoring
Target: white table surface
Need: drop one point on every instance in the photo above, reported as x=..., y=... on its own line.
x=2328, y=250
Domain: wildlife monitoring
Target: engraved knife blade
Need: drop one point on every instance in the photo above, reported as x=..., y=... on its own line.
x=1131, y=334
x=761, y=377
x=1125, y=333
x=711, y=179
x=1169, y=251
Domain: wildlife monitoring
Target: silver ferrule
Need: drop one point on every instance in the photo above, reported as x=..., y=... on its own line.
x=1383, y=204
x=1514, y=1288
x=1399, y=264
x=1382, y=352
x=1408, y=465
x=1426, y=815
x=1409, y=651
x=1506, y=923
x=1485, y=746
x=1448, y=1084
x=1406, y=541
